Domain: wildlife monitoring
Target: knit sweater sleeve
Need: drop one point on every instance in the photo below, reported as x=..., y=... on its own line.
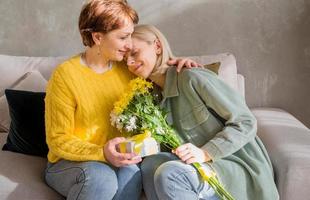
x=60, y=106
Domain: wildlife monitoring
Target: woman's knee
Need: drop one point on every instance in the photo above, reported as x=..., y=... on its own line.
x=176, y=180
x=174, y=172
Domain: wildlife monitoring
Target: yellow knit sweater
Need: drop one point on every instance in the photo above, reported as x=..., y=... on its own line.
x=78, y=103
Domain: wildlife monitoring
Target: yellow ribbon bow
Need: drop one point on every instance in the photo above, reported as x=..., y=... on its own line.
x=138, y=142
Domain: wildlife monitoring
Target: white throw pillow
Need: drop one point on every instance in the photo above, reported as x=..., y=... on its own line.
x=228, y=68
x=31, y=81
x=13, y=68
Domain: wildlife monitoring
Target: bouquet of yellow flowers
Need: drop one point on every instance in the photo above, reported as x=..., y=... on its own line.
x=137, y=115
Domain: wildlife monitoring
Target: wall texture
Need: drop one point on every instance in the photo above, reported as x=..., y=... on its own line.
x=270, y=39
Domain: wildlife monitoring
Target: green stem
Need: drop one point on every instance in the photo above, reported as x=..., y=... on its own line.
x=216, y=185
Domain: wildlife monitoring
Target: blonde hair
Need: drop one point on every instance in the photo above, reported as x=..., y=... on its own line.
x=149, y=34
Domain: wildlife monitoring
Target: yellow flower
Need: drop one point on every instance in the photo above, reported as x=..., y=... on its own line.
x=140, y=85
x=121, y=105
x=137, y=85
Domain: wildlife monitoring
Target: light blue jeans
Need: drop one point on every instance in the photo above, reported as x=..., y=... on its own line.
x=166, y=177
x=94, y=180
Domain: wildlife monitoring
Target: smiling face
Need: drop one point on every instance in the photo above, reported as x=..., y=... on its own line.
x=142, y=58
x=115, y=44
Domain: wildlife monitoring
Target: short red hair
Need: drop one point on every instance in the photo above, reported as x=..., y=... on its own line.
x=104, y=16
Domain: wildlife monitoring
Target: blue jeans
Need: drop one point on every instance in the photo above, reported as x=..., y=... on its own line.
x=94, y=180
x=166, y=177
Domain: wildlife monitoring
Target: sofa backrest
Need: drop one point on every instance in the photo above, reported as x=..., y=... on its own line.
x=12, y=68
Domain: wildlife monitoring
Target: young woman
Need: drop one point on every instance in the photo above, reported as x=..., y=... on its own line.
x=82, y=160
x=214, y=122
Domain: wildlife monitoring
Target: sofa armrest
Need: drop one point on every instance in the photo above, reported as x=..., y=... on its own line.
x=287, y=141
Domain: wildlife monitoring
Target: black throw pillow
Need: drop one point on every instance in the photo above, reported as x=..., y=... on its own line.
x=27, y=128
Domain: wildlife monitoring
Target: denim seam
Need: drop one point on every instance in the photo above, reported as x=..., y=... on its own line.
x=61, y=170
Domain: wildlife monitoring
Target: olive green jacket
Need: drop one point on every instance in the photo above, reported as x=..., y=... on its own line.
x=208, y=113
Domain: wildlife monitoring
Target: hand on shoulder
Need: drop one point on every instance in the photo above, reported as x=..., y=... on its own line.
x=183, y=62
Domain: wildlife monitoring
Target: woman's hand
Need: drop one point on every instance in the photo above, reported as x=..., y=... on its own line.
x=119, y=159
x=183, y=62
x=189, y=153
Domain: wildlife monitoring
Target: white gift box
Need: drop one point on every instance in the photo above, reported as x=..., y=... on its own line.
x=147, y=147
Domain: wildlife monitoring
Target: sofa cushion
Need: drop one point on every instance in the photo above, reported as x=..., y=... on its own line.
x=13, y=68
x=214, y=67
x=27, y=129
x=31, y=81
x=287, y=141
x=21, y=176
x=228, y=69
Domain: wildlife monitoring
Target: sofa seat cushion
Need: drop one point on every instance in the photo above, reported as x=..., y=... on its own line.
x=21, y=176
x=288, y=144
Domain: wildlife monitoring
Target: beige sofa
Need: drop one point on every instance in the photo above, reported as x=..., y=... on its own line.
x=287, y=140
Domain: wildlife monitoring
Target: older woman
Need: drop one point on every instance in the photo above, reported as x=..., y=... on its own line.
x=82, y=160
x=214, y=122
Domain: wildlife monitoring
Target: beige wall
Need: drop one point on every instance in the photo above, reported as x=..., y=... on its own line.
x=270, y=39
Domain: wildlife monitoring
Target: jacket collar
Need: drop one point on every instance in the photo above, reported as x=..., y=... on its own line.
x=171, y=84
